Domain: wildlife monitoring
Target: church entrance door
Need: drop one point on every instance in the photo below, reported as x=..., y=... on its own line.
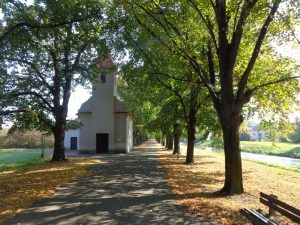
x=73, y=143
x=101, y=143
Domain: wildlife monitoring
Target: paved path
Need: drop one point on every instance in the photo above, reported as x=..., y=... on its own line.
x=125, y=189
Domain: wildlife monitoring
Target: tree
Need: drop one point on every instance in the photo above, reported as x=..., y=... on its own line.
x=136, y=97
x=46, y=64
x=295, y=136
x=246, y=134
x=170, y=72
x=166, y=71
x=220, y=42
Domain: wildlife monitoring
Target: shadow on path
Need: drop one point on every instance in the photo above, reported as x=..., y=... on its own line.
x=125, y=189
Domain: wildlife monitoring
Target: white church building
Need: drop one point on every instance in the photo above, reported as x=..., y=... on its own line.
x=106, y=124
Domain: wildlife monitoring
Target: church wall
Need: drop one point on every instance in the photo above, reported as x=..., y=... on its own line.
x=86, y=139
x=98, y=115
x=129, y=134
x=120, y=132
x=68, y=135
x=101, y=117
x=103, y=110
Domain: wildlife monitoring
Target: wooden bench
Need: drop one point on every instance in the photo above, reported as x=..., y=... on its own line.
x=258, y=217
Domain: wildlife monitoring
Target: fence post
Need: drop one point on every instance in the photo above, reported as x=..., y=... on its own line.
x=271, y=210
x=43, y=145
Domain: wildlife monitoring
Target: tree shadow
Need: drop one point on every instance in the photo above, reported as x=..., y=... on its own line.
x=293, y=153
x=126, y=189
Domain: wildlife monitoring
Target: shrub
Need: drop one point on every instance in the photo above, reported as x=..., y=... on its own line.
x=31, y=139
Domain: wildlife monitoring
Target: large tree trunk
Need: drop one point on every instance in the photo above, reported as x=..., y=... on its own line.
x=163, y=141
x=233, y=164
x=176, y=136
x=170, y=142
x=59, y=136
x=135, y=139
x=191, y=137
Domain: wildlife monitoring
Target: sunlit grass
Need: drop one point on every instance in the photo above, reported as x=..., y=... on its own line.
x=271, y=148
x=262, y=147
x=12, y=158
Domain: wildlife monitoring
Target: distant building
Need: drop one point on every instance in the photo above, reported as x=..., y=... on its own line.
x=107, y=125
x=258, y=134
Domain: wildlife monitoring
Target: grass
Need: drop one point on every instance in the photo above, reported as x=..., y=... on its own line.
x=194, y=186
x=21, y=187
x=263, y=147
x=12, y=158
x=271, y=148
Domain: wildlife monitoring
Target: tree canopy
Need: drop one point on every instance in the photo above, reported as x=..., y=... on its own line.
x=59, y=47
x=228, y=44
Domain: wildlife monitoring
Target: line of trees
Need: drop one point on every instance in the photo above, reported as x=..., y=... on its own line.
x=227, y=49
x=189, y=65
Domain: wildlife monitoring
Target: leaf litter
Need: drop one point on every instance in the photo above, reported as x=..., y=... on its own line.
x=195, y=186
x=22, y=187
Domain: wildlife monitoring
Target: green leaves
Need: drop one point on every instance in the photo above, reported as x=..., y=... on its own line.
x=50, y=47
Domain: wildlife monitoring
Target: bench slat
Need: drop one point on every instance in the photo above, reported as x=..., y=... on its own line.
x=282, y=211
x=280, y=203
x=256, y=217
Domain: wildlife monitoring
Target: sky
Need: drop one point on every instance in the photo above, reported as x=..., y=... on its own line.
x=79, y=96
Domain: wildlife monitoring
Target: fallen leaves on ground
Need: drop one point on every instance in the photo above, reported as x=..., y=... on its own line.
x=20, y=188
x=195, y=186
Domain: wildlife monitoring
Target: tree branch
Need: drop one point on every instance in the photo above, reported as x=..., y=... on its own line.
x=200, y=71
x=211, y=65
x=169, y=76
x=180, y=50
x=77, y=59
x=178, y=95
x=156, y=72
x=290, y=28
x=206, y=22
x=56, y=79
x=274, y=82
x=33, y=66
x=8, y=112
x=39, y=96
x=45, y=120
x=16, y=26
x=238, y=31
x=244, y=79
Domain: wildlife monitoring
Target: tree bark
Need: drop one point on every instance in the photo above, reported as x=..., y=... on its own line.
x=158, y=140
x=138, y=140
x=166, y=141
x=59, y=136
x=176, y=136
x=233, y=164
x=163, y=141
x=191, y=127
x=170, y=142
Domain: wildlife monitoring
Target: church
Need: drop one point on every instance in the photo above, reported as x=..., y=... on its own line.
x=106, y=124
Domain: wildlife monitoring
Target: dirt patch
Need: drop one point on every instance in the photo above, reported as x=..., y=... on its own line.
x=20, y=188
x=195, y=186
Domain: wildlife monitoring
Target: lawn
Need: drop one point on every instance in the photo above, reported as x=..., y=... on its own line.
x=263, y=147
x=194, y=186
x=11, y=158
x=271, y=148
